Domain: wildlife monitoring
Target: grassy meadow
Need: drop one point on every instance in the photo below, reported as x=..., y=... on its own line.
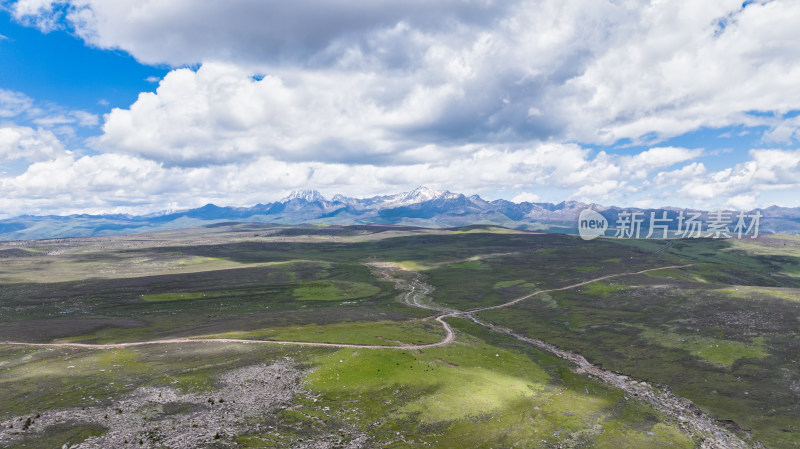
x=723, y=333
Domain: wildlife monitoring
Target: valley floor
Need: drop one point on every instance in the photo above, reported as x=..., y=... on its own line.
x=275, y=337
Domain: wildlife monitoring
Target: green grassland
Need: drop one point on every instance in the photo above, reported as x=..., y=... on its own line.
x=723, y=333
x=716, y=351
x=477, y=394
x=34, y=380
x=390, y=333
x=334, y=291
x=482, y=395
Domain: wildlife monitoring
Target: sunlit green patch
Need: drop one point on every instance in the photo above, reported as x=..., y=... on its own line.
x=189, y=261
x=413, y=266
x=789, y=237
x=602, y=288
x=689, y=274
x=383, y=333
x=472, y=265
x=99, y=363
x=479, y=395
x=586, y=268
x=178, y=296
x=659, y=436
x=334, y=291
x=61, y=268
x=547, y=300
x=772, y=245
x=790, y=270
x=470, y=392
x=437, y=371
x=752, y=292
x=716, y=351
x=505, y=284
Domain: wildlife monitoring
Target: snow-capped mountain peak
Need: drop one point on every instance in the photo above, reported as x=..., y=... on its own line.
x=308, y=195
x=422, y=193
x=342, y=198
x=418, y=195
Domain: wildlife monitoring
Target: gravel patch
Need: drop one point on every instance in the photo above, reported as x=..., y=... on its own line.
x=160, y=417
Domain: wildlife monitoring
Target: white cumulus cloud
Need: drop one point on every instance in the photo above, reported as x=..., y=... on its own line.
x=22, y=142
x=374, y=97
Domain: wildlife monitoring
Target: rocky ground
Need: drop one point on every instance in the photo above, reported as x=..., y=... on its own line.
x=712, y=433
x=166, y=417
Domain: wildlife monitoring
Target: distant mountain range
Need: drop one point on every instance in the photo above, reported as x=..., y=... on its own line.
x=419, y=207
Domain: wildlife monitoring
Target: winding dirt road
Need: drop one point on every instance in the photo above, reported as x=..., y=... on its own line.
x=691, y=419
x=416, y=290
x=539, y=292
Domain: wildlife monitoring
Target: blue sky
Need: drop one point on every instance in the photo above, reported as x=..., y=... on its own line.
x=58, y=67
x=134, y=107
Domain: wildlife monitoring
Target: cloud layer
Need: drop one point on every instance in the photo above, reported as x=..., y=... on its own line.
x=475, y=95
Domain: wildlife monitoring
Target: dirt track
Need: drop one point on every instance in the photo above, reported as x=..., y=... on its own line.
x=416, y=289
x=714, y=434
x=511, y=303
